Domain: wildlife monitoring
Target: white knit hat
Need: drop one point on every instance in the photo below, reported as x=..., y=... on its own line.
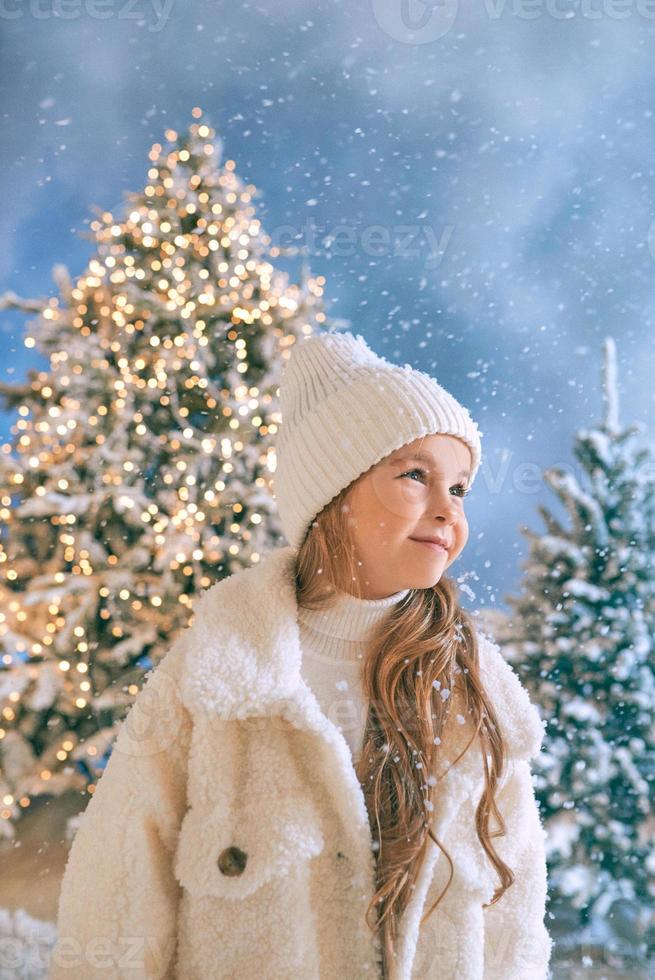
x=344, y=409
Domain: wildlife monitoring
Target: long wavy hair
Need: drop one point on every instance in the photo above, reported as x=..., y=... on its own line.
x=426, y=644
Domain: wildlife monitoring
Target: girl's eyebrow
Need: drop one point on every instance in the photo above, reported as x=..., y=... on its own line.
x=423, y=458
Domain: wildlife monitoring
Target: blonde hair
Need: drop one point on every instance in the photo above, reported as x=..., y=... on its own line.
x=427, y=637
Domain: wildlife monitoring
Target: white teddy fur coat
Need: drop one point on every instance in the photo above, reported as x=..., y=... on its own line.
x=228, y=836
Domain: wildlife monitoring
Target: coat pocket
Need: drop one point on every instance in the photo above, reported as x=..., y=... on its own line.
x=230, y=853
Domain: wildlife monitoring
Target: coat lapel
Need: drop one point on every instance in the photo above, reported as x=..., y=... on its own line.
x=244, y=659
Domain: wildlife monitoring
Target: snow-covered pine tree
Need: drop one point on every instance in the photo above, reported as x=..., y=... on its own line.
x=140, y=469
x=582, y=638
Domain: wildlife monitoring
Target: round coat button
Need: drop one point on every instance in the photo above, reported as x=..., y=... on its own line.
x=232, y=861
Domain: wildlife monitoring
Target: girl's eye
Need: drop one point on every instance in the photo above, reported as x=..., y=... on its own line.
x=460, y=486
x=422, y=472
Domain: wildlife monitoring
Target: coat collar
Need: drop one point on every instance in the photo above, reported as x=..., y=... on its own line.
x=246, y=641
x=245, y=656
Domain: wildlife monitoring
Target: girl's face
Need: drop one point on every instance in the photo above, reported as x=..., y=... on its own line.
x=400, y=499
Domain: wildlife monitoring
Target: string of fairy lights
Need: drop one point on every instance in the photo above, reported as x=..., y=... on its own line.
x=191, y=246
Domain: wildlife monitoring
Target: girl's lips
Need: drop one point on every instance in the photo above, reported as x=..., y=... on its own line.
x=430, y=544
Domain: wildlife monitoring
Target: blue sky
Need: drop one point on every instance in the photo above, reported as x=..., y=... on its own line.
x=505, y=149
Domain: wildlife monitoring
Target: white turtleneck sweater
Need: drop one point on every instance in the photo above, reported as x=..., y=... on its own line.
x=333, y=644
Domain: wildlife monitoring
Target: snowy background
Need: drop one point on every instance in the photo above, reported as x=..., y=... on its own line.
x=476, y=186
x=507, y=158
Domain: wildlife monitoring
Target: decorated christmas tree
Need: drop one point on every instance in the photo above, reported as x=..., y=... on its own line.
x=582, y=638
x=140, y=467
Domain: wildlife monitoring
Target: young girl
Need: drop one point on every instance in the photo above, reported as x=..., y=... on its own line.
x=327, y=777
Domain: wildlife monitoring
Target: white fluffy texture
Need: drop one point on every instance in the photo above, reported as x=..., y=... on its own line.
x=247, y=759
